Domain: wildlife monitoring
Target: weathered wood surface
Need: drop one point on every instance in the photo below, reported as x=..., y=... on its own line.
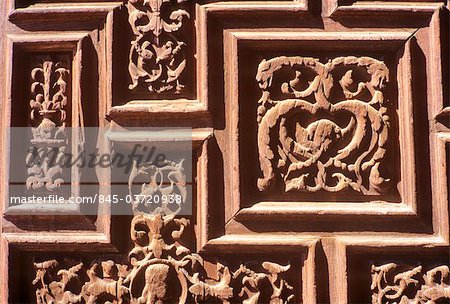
x=321, y=149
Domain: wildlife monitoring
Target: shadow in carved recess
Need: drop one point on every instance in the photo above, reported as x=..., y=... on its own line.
x=381, y=20
x=217, y=208
x=421, y=127
x=332, y=223
x=322, y=274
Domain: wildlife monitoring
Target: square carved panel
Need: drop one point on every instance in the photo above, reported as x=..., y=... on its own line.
x=291, y=133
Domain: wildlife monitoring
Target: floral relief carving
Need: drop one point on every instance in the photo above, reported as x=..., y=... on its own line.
x=330, y=132
x=411, y=286
x=168, y=180
x=160, y=268
x=48, y=122
x=157, y=55
x=159, y=271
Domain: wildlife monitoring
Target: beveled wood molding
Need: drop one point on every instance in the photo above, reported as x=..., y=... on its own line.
x=58, y=11
x=336, y=8
x=78, y=45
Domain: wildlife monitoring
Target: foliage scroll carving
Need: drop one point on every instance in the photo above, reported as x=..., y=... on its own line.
x=325, y=136
x=157, y=54
x=160, y=268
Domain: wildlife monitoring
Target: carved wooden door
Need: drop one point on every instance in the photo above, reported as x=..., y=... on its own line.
x=318, y=164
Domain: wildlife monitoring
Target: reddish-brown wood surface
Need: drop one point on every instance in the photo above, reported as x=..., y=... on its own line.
x=320, y=149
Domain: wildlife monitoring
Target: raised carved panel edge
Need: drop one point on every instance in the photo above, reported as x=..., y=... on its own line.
x=337, y=8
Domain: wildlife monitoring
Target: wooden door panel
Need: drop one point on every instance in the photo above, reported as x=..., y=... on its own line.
x=318, y=135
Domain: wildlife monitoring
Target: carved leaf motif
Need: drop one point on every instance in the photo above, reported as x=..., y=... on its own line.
x=49, y=85
x=323, y=144
x=48, y=122
x=169, y=180
x=156, y=57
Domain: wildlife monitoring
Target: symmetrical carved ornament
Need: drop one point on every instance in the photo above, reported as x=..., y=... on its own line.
x=409, y=287
x=327, y=136
x=160, y=268
x=48, y=121
x=157, y=53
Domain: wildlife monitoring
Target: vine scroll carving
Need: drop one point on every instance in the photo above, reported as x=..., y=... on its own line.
x=324, y=136
x=157, y=53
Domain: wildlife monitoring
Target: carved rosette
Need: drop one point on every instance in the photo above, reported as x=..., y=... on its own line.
x=410, y=286
x=326, y=135
x=48, y=121
x=160, y=268
x=157, y=55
